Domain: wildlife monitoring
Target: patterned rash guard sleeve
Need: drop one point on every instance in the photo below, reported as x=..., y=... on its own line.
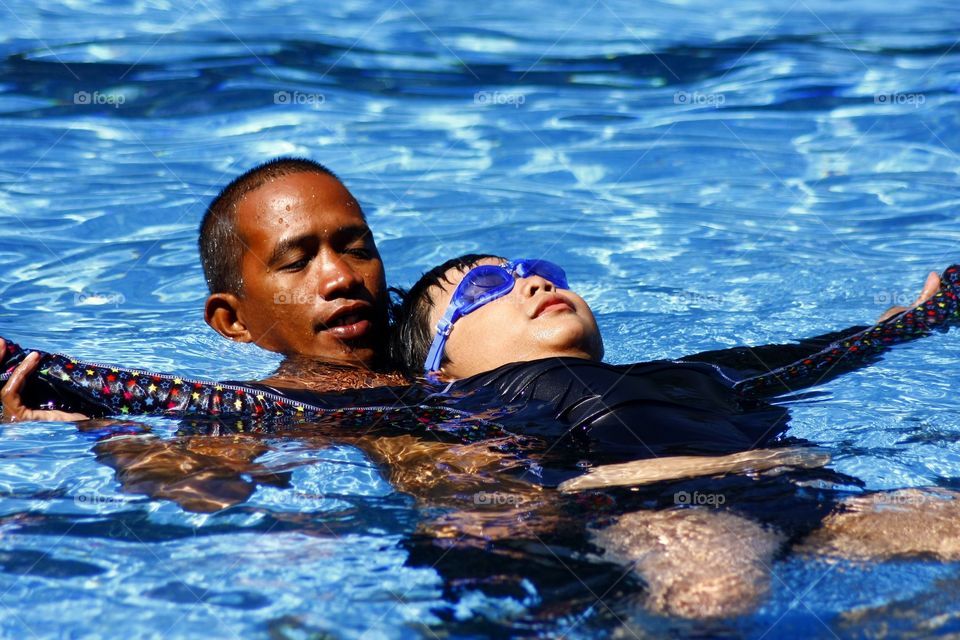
x=62, y=382
x=938, y=313
x=101, y=390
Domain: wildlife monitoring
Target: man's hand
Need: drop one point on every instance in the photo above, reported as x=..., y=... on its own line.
x=13, y=409
x=930, y=287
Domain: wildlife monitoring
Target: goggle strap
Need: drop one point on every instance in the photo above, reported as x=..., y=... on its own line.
x=440, y=339
x=433, y=358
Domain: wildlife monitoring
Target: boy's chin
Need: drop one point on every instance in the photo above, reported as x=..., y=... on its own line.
x=573, y=340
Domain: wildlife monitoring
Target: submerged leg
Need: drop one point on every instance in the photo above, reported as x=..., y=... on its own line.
x=202, y=474
x=697, y=563
x=891, y=524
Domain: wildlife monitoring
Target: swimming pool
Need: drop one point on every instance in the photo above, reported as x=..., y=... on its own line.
x=709, y=176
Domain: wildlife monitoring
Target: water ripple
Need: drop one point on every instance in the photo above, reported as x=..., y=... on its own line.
x=710, y=175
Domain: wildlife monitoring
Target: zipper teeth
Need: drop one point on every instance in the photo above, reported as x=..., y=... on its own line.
x=714, y=366
x=267, y=394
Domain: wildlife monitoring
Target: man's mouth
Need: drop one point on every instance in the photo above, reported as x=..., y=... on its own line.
x=349, y=323
x=343, y=321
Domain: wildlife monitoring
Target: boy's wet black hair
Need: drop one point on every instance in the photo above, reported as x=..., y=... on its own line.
x=221, y=247
x=412, y=335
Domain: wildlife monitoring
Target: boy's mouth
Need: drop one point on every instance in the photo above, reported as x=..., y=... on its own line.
x=551, y=304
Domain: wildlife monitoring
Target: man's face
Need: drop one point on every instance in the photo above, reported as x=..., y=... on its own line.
x=534, y=320
x=313, y=281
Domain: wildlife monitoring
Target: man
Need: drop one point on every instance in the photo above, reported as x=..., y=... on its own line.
x=292, y=267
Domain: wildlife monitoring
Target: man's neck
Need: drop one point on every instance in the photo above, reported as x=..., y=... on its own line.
x=303, y=372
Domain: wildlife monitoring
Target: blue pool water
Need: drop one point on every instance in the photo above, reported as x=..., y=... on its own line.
x=710, y=174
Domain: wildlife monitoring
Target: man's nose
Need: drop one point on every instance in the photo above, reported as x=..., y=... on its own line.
x=336, y=278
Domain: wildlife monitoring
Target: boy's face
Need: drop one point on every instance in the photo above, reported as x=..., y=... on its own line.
x=313, y=281
x=534, y=320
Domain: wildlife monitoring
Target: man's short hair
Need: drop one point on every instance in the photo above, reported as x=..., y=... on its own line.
x=412, y=335
x=221, y=247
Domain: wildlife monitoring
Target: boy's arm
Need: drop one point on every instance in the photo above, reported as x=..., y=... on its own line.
x=17, y=366
x=61, y=382
x=754, y=361
x=939, y=312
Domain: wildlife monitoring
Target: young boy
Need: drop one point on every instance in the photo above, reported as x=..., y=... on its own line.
x=516, y=330
x=512, y=333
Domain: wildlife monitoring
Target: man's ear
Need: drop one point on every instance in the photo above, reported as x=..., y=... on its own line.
x=222, y=313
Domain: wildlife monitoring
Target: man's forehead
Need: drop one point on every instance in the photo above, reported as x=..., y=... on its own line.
x=303, y=198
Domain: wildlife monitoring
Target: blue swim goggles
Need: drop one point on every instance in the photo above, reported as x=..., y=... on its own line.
x=485, y=284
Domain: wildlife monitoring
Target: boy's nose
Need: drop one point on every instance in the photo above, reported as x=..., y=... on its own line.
x=533, y=284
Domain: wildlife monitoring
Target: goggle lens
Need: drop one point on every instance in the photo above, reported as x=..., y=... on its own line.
x=480, y=281
x=546, y=270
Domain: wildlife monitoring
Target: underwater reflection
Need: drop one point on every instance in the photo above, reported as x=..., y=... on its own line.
x=685, y=538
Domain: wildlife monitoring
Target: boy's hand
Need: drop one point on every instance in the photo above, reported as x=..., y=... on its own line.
x=13, y=409
x=930, y=287
x=8, y=350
